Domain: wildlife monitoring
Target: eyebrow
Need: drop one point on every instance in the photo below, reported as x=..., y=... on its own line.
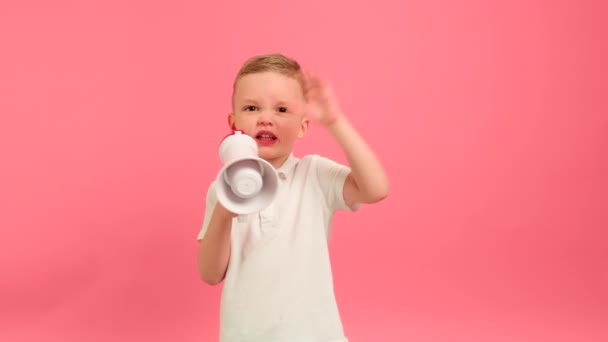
x=278, y=103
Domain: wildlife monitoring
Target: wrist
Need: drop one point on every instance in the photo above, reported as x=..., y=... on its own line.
x=224, y=213
x=336, y=122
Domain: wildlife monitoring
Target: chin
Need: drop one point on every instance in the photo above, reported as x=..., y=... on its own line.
x=268, y=154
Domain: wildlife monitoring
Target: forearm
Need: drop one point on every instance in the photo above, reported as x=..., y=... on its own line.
x=214, y=248
x=367, y=171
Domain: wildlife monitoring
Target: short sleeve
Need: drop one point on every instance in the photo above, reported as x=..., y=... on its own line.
x=332, y=177
x=210, y=201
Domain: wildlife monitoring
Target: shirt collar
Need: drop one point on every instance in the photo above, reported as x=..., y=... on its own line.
x=287, y=166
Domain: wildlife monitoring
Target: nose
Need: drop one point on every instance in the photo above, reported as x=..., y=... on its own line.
x=265, y=118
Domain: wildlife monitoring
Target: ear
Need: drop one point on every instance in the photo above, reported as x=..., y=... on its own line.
x=231, y=122
x=304, y=127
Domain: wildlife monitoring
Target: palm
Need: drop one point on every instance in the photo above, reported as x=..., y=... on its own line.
x=322, y=105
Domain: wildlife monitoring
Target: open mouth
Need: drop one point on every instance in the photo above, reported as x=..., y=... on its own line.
x=266, y=136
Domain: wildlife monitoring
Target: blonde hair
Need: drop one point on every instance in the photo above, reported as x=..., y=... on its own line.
x=270, y=62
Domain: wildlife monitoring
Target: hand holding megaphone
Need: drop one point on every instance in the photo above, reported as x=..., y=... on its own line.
x=246, y=184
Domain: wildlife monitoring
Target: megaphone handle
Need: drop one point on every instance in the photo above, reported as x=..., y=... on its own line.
x=242, y=218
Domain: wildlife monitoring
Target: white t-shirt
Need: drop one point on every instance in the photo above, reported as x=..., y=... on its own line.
x=279, y=286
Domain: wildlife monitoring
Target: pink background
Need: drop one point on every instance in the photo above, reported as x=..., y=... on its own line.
x=490, y=117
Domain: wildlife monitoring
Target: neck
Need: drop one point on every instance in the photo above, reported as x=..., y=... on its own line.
x=277, y=163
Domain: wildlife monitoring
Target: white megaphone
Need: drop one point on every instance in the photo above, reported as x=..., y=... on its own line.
x=246, y=184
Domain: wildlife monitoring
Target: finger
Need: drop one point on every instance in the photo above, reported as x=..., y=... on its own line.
x=311, y=78
x=312, y=89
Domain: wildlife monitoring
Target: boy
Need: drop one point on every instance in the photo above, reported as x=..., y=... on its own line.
x=276, y=269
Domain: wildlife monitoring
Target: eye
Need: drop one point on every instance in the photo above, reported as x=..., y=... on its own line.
x=250, y=108
x=282, y=110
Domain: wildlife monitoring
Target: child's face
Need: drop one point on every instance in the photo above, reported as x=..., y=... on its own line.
x=270, y=108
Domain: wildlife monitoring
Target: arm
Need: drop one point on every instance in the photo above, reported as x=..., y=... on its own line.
x=367, y=182
x=214, y=248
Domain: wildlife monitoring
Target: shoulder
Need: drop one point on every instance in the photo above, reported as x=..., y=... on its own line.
x=328, y=180
x=317, y=160
x=316, y=165
x=326, y=171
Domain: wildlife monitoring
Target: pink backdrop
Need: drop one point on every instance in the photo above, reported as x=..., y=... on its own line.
x=490, y=117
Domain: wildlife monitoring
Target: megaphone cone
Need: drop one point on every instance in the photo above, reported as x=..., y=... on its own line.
x=246, y=184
